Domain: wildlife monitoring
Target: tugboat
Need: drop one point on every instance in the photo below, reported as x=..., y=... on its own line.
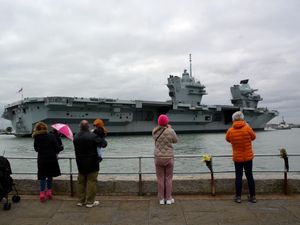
x=283, y=125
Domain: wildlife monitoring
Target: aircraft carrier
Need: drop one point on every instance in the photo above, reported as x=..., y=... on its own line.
x=184, y=109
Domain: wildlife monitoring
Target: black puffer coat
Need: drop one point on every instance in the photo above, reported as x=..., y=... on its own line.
x=46, y=146
x=85, y=144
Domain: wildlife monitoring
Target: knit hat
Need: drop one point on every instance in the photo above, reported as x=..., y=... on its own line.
x=100, y=124
x=237, y=116
x=163, y=120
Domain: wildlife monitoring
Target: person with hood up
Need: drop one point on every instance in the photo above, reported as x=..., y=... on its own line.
x=164, y=136
x=241, y=135
x=45, y=144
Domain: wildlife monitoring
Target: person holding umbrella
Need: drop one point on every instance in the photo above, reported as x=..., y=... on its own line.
x=61, y=129
x=46, y=146
x=57, y=135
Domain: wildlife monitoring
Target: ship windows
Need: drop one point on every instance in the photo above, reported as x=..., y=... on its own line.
x=38, y=107
x=67, y=114
x=24, y=111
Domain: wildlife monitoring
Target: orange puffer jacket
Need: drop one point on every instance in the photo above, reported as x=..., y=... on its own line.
x=241, y=135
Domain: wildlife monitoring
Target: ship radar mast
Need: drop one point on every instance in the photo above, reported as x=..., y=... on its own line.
x=191, y=65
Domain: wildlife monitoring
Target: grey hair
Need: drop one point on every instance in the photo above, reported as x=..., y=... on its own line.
x=237, y=116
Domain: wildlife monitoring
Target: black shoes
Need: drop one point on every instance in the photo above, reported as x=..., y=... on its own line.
x=251, y=199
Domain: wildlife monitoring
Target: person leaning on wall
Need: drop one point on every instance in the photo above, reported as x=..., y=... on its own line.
x=241, y=135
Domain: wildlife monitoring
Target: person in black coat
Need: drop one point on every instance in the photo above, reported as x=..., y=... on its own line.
x=85, y=145
x=45, y=144
x=58, y=139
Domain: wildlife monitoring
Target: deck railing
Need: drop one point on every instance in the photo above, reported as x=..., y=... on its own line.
x=140, y=172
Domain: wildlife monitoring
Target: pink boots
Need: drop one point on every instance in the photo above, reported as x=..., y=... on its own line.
x=49, y=193
x=44, y=197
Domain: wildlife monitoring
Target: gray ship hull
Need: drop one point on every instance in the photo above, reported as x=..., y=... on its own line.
x=127, y=117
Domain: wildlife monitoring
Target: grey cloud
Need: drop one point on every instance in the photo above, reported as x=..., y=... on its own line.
x=127, y=49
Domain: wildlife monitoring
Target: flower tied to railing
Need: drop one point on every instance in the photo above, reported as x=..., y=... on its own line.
x=283, y=154
x=207, y=158
x=208, y=161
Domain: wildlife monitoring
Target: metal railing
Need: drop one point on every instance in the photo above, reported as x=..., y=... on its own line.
x=140, y=172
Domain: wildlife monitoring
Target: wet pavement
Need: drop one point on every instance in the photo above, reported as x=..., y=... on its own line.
x=133, y=210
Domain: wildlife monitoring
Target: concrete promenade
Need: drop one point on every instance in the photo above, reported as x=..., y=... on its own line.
x=134, y=210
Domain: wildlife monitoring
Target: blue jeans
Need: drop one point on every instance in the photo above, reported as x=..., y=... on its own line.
x=239, y=166
x=43, y=183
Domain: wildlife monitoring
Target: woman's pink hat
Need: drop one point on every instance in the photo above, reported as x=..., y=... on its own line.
x=163, y=120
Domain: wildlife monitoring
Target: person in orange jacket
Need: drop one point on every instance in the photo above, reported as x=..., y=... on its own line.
x=241, y=135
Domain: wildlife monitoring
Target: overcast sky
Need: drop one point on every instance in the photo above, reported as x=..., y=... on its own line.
x=127, y=49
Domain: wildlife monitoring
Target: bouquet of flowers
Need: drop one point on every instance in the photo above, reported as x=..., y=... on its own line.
x=208, y=161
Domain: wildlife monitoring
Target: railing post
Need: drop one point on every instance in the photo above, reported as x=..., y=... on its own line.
x=140, y=176
x=285, y=187
x=71, y=177
x=208, y=159
x=212, y=184
x=212, y=179
x=283, y=154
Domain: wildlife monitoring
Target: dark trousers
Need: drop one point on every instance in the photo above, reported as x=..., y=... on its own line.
x=87, y=187
x=239, y=166
x=43, y=182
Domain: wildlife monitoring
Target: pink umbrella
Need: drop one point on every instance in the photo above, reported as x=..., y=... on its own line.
x=63, y=129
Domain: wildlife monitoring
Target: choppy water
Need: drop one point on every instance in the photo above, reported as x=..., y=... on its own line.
x=267, y=142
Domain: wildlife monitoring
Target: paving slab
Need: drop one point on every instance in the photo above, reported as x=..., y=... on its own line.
x=134, y=210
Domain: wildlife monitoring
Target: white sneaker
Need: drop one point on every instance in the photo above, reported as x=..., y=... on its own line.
x=170, y=201
x=92, y=204
x=79, y=204
x=162, y=202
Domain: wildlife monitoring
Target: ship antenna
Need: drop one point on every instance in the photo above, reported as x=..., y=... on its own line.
x=190, y=65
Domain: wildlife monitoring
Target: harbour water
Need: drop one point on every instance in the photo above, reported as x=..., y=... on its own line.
x=267, y=142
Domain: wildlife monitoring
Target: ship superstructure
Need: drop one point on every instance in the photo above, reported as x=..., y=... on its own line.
x=185, y=111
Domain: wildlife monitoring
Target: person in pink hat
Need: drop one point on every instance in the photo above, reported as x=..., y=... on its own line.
x=164, y=137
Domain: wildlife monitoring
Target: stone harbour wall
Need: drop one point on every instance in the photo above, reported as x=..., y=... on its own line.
x=182, y=185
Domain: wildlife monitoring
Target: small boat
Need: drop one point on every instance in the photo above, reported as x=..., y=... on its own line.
x=283, y=125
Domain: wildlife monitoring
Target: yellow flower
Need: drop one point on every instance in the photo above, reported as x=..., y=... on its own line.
x=206, y=158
